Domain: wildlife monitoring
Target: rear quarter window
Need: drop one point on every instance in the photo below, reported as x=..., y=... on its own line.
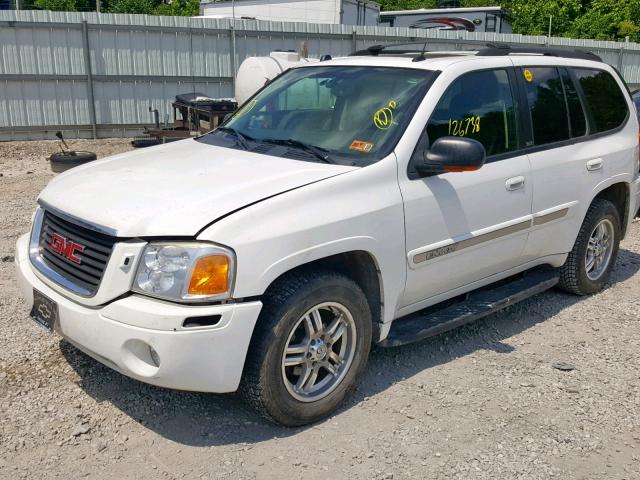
x=604, y=99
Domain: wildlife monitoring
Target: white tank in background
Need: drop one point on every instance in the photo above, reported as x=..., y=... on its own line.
x=255, y=72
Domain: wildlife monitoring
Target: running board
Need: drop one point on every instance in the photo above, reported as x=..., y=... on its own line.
x=483, y=302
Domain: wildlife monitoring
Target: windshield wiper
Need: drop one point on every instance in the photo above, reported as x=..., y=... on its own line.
x=243, y=139
x=318, y=152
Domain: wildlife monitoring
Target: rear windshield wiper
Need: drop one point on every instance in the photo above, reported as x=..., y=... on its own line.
x=318, y=152
x=243, y=139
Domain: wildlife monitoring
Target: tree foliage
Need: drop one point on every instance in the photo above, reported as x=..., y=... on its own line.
x=189, y=8
x=58, y=5
x=532, y=17
x=599, y=19
x=130, y=6
x=148, y=7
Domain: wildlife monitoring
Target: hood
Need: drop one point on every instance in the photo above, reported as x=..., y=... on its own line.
x=176, y=189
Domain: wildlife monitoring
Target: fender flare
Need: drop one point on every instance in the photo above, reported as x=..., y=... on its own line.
x=320, y=251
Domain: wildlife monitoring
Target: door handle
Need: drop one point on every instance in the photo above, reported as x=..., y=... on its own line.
x=595, y=164
x=514, y=183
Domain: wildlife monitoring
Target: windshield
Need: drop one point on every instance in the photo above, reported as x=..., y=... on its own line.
x=338, y=114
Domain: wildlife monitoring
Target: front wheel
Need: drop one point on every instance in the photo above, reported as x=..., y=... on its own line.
x=311, y=343
x=591, y=261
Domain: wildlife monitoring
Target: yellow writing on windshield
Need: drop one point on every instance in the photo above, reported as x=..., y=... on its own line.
x=383, y=118
x=461, y=128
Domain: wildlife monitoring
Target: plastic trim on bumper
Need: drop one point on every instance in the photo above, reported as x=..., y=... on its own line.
x=636, y=189
x=157, y=349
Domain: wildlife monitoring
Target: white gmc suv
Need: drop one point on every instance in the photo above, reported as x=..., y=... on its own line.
x=376, y=199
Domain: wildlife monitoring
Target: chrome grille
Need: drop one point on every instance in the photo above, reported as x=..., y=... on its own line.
x=93, y=258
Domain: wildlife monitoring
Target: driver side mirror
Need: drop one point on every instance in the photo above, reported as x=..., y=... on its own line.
x=452, y=154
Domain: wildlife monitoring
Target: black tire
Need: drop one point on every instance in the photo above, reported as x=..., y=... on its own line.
x=145, y=142
x=573, y=274
x=263, y=383
x=62, y=161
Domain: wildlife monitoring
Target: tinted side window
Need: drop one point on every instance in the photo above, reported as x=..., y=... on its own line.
x=548, y=108
x=576, y=112
x=605, y=100
x=478, y=105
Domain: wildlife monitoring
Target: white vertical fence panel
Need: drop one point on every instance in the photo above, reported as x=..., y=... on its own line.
x=8, y=51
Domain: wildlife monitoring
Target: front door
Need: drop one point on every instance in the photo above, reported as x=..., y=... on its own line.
x=463, y=227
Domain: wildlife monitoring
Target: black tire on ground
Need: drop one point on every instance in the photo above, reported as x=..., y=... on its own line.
x=263, y=382
x=145, y=142
x=62, y=161
x=573, y=274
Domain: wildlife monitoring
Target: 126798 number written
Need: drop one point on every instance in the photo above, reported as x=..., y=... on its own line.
x=461, y=128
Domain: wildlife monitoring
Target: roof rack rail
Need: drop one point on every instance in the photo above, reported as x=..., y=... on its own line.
x=375, y=50
x=421, y=53
x=500, y=49
x=490, y=50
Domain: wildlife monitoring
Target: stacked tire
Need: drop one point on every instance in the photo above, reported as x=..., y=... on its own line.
x=63, y=161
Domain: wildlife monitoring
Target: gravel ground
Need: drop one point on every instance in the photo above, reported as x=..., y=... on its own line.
x=480, y=402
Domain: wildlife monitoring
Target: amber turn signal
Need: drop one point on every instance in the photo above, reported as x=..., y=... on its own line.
x=210, y=275
x=465, y=168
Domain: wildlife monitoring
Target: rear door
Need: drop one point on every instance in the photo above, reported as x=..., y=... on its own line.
x=573, y=113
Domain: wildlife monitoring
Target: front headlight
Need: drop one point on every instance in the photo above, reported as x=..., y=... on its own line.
x=190, y=271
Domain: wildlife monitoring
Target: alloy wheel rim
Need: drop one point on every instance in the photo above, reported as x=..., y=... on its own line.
x=319, y=351
x=599, y=250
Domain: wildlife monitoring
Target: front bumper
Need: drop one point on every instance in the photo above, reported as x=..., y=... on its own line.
x=119, y=334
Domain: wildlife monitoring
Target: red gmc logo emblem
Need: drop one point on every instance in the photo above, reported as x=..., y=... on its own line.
x=65, y=247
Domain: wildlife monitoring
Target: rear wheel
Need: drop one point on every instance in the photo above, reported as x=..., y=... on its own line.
x=591, y=261
x=311, y=343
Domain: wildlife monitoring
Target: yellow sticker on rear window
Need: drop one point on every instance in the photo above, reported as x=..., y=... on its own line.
x=361, y=146
x=528, y=76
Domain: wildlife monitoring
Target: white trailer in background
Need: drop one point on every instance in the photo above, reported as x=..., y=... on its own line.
x=255, y=72
x=345, y=12
x=473, y=19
